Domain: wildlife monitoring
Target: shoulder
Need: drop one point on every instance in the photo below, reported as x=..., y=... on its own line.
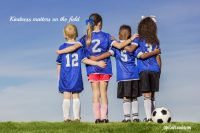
x=62, y=46
x=105, y=33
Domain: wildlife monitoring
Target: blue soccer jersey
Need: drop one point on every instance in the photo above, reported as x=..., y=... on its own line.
x=100, y=43
x=149, y=64
x=125, y=64
x=70, y=73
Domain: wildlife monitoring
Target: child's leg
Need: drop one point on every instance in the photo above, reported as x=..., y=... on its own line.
x=135, y=108
x=95, y=100
x=66, y=105
x=76, y=106
x=147, y=104
x=104, y=99
x=127, y=108
x=153, y=101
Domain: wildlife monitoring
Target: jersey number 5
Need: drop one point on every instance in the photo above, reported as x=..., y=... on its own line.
x=95, y=49
x=74, y=58
x=124, y=57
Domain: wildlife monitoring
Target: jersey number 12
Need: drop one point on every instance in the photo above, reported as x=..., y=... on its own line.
x=74, y=61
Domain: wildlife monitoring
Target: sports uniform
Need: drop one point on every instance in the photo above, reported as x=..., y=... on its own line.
x=70, y=74
x=100, y=43
x=149, y=69
x=127, y=73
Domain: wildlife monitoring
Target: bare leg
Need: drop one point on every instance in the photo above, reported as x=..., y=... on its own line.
x=96, y=99
x=104, y=99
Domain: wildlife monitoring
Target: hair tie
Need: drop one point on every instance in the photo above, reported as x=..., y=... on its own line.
x=90, y=21
x=151, y=16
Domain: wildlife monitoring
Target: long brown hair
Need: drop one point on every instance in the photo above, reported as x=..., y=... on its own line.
x=124, y=32
x=147, y=30
x=96, y=18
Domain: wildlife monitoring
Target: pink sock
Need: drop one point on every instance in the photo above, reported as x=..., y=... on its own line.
x=104, y=111
x=96, y=110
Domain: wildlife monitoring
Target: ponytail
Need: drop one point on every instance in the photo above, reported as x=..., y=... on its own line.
x=90, y=28
x=93, y=20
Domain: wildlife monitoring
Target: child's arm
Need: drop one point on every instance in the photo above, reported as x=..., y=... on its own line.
x=121, y=45
x=58, y=71
x=100, y=57
x=69, y=49
x=130, y=48
x=149, y=54
x=94, y=63
x=158, y=59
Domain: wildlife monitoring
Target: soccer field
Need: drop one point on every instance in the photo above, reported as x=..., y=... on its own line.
x=116, y=127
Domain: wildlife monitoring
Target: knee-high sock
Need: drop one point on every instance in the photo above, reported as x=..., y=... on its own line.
x=127, y=109
x=153, y=102
x=96, y=110
x=66, y=108
x=147, y=106
x=76, y=108
x=104, y=111
x=135, y=109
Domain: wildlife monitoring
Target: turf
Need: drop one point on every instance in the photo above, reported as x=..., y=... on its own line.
x=112, y=127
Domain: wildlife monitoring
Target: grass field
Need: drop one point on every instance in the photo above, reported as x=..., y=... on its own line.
x=112, y=127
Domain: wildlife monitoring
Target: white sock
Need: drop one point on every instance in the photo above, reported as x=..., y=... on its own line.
x=147, y=107
x=66, y=108
x=135, y=109
x=127, y=109
x=153, y=105
x=76, y=108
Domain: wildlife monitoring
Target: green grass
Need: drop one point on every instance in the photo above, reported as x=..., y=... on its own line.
x=112, y=127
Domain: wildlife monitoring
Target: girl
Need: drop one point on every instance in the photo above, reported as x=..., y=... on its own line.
x=149, y=63
x=127, y=76
x=69, y=72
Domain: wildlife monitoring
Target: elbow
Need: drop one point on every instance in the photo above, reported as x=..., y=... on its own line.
x=142, y=57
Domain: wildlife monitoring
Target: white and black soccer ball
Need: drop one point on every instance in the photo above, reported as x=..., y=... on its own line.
x=161, y=115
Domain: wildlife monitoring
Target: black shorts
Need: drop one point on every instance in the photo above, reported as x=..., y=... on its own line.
x=149, y=81
x=128, y=89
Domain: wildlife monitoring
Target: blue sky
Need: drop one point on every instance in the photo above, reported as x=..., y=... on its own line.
x=28, y=84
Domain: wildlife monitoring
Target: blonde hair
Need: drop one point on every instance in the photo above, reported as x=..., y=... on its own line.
x=70, y=31
x=90, y=28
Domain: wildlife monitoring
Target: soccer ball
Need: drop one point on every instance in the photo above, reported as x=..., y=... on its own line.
x=161, y=115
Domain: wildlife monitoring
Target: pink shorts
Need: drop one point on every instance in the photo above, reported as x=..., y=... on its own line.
x=99, y=77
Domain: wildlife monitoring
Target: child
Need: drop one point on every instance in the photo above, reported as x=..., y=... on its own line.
x=127, y=76
x=149, y=63
x=69, y=72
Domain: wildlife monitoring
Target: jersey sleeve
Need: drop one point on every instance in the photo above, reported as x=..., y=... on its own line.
x=82, y=41
x=110, y=40
x=82, y=54
x=135, y=42
x=59, y=57
x=138, y=52
x=112, y=50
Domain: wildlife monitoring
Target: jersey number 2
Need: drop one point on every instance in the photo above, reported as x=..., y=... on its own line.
x=74, y=60
x=95, y=49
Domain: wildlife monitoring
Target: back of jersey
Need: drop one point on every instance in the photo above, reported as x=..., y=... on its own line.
x=100, y=43
x=70, y=74
x=149, y=64
x=125, y=65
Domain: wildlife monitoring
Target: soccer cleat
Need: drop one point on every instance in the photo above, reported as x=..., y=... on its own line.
x=77, y=120
x=97, y=121
x=125, y=121
x=136, y=120
x=147, y=120
x=67, y=120
x=104, y=121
